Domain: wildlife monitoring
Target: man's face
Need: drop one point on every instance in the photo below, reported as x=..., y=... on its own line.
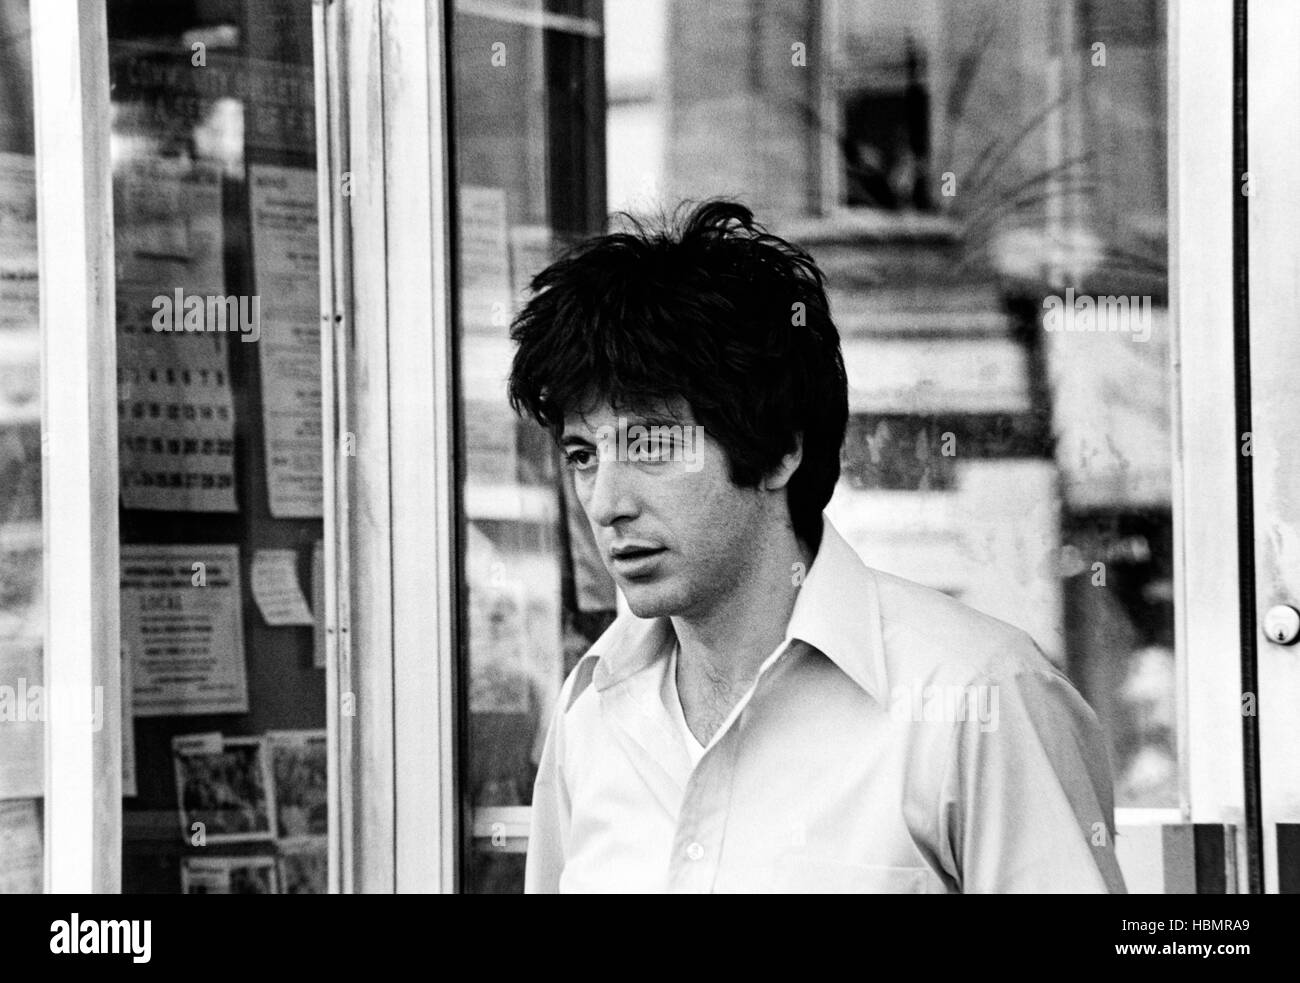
x=672, y=529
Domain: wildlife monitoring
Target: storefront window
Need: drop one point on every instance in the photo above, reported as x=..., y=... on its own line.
x=989, y=187
x=984, y=186
x=219, y=426
x=22, y=595
x=529, y=152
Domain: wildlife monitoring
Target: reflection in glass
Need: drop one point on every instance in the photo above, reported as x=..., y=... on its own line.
x=528, y=145
x=974, y=178
x=964, y=172
x=22, y=596
x=218, y=320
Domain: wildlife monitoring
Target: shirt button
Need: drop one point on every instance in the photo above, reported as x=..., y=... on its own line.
x=695, y=851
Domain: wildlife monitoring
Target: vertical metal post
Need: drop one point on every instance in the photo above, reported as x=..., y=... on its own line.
x=83, y=765
x=331, y=126
x=391, y=515
x=1205, y=449
x=418, y=199
x=1245, y=477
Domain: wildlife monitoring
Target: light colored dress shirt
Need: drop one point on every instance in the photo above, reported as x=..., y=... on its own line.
x=895, y=741
x=672, y=699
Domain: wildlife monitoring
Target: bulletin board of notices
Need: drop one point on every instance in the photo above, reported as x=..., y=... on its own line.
x=219, y=435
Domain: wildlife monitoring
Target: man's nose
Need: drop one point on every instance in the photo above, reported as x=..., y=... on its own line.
x=611, y=495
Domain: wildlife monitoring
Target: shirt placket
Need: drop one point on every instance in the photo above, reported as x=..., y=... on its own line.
x=702, y=821
x=697, y=845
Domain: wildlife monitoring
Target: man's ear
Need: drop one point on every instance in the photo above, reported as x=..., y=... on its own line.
x=780, y=476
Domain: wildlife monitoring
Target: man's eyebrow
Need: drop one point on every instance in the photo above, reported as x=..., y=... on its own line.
x=654, y=420
x=577, y=436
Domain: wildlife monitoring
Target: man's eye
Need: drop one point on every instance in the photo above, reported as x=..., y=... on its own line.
x=661, y=449
x=580, y=459
x=653, y=450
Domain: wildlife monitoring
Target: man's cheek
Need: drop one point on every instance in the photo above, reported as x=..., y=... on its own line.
x=595, y=535
x=582, y=492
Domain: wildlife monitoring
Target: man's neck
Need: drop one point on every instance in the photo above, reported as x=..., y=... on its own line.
x=722, y=651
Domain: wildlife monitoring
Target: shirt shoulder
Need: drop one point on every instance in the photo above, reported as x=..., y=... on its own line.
x=579, y=681
x=927, y=634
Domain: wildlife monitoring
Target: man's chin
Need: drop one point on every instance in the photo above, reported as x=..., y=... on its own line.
x=650, y=601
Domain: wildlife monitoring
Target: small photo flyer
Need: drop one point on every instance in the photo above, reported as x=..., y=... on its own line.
x=304, y=867
x=223, y=788
x=229, y=875
x=299, y=769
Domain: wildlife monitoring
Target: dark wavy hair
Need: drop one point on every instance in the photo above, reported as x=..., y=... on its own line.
x=709, y=308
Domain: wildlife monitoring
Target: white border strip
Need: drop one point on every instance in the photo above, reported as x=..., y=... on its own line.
x=417, y=177
x=83, y=769
x=325, y=59
x=366, y=585
x=1206, y=449
x=1273, y=131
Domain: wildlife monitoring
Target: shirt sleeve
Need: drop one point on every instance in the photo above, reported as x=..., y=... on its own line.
x=1027, y=801
x=548, y=834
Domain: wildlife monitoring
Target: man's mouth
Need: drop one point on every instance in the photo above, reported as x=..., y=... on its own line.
x=634, y=559
x=631, y=550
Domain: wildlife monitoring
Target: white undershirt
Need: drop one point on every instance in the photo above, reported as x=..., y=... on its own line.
x=673, y=701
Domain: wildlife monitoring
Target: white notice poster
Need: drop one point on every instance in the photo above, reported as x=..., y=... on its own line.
x=176, y=418
x=318, y=604
x=486, y=306
x=485, y=294
x=285, y=267
x=19, y=306
x=22, y=719
x=276, y=589
x=21, y=867
x=20, y=334
x=182, y=626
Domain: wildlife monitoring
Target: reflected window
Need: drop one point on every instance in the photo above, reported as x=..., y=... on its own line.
x=219, y=427
x=974, y=179
x=529, y=143
x=22, y=588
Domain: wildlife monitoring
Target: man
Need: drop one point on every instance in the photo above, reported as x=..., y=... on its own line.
x=773, y=715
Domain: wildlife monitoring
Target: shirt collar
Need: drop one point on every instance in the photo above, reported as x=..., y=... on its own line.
x=837, y=612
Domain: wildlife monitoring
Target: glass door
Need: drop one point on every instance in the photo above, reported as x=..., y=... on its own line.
x=216, y=238
x=22, y=538
x=1007, y=200
x=529, y=152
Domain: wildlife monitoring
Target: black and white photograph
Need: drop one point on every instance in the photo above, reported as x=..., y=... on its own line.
x=222, y=788
x=656, y=447
x=304, y=867
x=229, y=875
x=299, y=774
